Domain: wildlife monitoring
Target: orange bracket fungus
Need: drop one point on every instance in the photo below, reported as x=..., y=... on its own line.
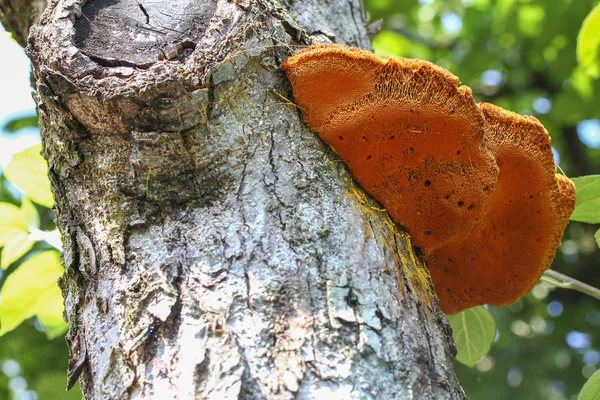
x=474, y=185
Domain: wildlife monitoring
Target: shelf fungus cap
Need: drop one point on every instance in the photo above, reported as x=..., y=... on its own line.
x=410, y=135
x=474, y=185
x=504, y=256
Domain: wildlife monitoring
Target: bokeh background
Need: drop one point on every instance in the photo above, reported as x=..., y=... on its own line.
x=519, y=54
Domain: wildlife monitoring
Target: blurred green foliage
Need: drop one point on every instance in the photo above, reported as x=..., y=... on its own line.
x=31, y=362
x=588, y=44
x=522, y=55
x=33, y=355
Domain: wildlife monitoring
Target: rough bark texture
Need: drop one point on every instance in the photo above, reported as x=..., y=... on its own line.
x=214, y=247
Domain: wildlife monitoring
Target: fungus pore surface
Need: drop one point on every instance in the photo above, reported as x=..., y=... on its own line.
x=474, y=185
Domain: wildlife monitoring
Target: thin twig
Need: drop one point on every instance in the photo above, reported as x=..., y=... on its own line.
x=563, y=281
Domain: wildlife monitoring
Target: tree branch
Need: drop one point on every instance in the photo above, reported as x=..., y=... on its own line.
x=566, y=282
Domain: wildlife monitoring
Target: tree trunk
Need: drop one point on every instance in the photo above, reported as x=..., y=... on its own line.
x=214, y=247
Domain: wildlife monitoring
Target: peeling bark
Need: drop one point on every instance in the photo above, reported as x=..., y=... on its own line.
x=214, y=247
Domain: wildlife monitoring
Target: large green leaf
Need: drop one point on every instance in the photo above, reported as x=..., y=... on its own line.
x=19, y=244
x=50, y=316
x=28, y=171
x=587, y=206
x=15, y=248
x=473, y=331
x=591, y=389
x=30, y=213
x=12, y=222
x=32, y=289
x=588, y=43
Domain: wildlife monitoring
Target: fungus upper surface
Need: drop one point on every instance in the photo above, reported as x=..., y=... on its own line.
x=514, y=243
x=411, y=137
x=475, y=185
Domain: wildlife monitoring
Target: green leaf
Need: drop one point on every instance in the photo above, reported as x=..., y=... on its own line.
x=14, y=125
x=597, y=237
x=32, y=289
x=15, y=248
x=28, y=171
x=591, y=389
x=587, y=206
x=14, y=230
x=51, y=315
x=12, y=222
x=473, y=331
x=588, y=43
x=30, y=213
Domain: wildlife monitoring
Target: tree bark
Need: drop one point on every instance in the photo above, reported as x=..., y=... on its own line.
x=213, y=246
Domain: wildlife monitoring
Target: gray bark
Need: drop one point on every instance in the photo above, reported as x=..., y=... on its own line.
x=213, y=246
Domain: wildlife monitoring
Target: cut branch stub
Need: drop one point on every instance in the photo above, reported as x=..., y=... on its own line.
x=135, y=33
x=474, y=185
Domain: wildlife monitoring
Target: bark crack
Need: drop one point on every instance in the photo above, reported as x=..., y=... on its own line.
x=273, y=167
x=241, y=201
